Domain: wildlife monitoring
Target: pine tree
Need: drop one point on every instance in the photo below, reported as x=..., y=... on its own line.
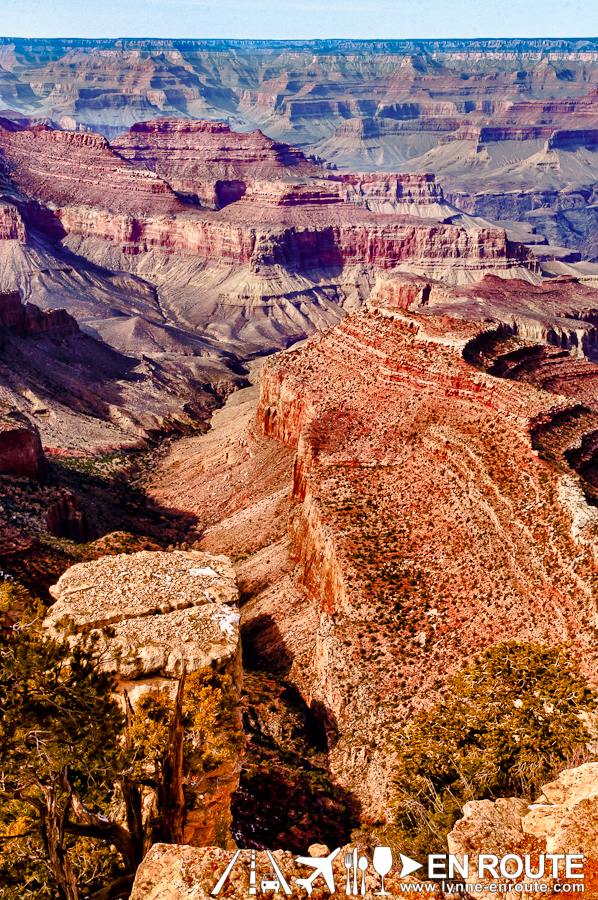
x=67, y=767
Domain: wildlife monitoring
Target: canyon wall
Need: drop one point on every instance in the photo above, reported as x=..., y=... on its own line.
x=252, y=224
x=303, y=247
x=425, y=526
x=206, y=162
x=89, y=171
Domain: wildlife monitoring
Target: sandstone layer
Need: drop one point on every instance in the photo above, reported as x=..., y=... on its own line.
x=563, y=820
x=206, y=162
x=167, y=612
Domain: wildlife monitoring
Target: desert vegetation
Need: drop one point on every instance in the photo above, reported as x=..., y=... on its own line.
x=87, y=786
x=507, y=723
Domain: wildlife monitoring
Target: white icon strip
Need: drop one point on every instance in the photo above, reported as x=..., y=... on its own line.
x=225, y=874
x=281, y=877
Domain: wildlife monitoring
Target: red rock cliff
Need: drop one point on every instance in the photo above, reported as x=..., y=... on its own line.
x=20, y=449
x=28, y=320
x=70, y=167
x=207, y=160
x=424, y=524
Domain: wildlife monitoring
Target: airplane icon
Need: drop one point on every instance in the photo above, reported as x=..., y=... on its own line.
x=322, y=866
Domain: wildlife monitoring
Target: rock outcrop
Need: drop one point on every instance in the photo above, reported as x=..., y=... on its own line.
x=91, y=173
x=12, y=226
x=171, y=872
x=28, y=320
x=167, y=612
x=416, y=195
x=21, y=450
x=416, y=485
x=560, y=311
x=563, y=820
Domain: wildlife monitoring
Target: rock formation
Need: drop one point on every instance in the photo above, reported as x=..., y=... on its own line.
x=405, y=453
x=563, y=820
x=167, y=612
x=92, y=174
x=21, y=451
x=27, y=320
x=510, y=126
x=170, y=872
x=438, y=493
x=207, y=162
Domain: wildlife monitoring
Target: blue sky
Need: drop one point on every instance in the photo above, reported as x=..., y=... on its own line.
x=299, y=19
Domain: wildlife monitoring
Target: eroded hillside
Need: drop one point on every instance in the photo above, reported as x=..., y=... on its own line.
x=426, y=519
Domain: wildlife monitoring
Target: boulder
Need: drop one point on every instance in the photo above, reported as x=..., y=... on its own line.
x=566, y=813
x=564, y=820
x=485, y=823
x=166, y=611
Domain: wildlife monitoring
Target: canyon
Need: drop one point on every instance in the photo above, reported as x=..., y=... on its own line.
x=355, y=372
x=509, y=126
x=364, y=576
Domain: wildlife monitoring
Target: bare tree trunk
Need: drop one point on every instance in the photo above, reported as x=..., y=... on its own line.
x=132, y=798
x=121, y=888
x=172, y=796
x=132, y=794
x=53, y=835
x=89, y=824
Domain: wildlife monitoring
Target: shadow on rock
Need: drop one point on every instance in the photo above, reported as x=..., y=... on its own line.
x=264, y=648
x=286, y=797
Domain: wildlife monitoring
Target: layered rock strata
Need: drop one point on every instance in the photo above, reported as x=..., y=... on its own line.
x=425, y=526
x=561, y=312
x=209, y=163
x=167, y=612
x=91, y=173
x=278, y=237
x=506, y=126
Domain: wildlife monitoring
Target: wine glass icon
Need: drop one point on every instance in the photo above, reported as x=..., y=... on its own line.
x=382, y=864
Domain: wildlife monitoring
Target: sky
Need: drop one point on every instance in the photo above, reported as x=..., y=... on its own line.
x=299, y=19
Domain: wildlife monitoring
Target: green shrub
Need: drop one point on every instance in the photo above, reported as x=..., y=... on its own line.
x=507, y=724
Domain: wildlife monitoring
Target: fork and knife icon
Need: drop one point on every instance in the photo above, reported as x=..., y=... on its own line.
x=351, y=862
